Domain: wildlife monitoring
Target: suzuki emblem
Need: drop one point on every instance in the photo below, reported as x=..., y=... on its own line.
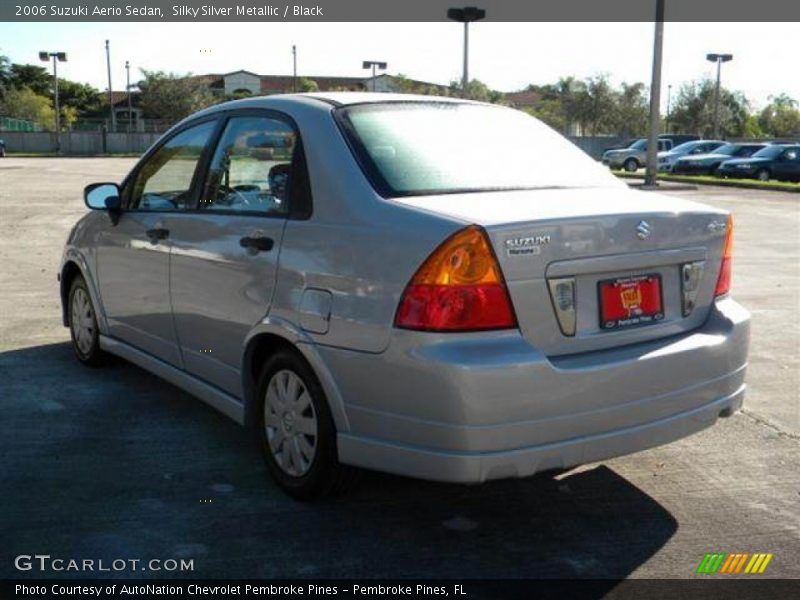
x=643, y=230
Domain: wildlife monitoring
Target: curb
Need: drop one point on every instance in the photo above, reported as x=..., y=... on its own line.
x=719, y=183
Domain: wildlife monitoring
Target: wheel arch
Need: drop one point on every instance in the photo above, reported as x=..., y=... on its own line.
x=270, y=336
x=74, y=265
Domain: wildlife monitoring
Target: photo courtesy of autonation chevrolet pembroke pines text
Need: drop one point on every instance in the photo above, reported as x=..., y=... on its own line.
x=421, y=299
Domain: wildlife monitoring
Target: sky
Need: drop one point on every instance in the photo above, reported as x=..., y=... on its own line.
x=506, y=56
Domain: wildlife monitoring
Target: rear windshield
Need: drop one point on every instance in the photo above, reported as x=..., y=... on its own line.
x=414, y=148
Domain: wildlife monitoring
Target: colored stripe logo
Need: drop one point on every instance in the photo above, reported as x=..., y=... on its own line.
x=738, y=562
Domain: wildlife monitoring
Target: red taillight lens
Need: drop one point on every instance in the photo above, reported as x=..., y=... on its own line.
x=458, y=288
x=724, y=281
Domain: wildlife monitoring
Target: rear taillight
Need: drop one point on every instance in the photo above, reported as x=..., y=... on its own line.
x=458, y=288
x=724, y=281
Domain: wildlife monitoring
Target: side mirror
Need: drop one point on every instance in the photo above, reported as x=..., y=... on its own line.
x=102, y=196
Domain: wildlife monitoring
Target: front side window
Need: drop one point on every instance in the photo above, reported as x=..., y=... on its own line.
x=164, y=182
x=768, y=152
x=412, y=148
x=251, y=168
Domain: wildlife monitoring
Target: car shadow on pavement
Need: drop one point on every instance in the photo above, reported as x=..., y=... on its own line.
x=115, y=463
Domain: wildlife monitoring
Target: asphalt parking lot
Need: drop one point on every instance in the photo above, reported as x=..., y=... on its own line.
x=115, y=463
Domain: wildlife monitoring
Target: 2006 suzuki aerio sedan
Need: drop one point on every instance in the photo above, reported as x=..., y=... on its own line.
x=430, y=287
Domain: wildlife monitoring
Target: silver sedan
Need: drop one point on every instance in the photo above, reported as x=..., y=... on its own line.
x=424, y=286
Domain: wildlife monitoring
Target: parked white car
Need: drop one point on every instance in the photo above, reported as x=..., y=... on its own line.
x=667, y=159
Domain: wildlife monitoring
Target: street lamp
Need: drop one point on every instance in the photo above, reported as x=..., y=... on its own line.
x=669, y=98
x=719, y=59
x=110, y=93
x=57, y=58
x=373, y=64
x=651, y=171
x=294, y=68
x=128, y=89
x=465, y=15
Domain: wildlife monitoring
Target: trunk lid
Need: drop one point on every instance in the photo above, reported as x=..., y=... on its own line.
x=586, y=237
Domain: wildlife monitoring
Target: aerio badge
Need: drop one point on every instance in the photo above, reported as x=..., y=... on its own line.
x=643, y=230
x=530, y=245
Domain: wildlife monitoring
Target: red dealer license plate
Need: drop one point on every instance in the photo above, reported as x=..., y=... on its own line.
x=629, y=301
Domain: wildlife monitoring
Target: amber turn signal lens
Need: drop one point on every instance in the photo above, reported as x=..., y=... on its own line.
x=458, y=288
x=726, y=269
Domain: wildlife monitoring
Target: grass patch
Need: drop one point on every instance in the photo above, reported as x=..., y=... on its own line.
x=784, y=186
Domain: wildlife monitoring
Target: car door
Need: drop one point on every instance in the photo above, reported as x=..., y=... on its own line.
x=225, y=252
x=787, y=165
x=133, y=256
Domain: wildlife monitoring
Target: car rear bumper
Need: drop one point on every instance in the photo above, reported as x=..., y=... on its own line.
x=471, y=408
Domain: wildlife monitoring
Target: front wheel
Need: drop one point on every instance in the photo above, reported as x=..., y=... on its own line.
x=83, y=325
x=762, y=175
x=297, y=433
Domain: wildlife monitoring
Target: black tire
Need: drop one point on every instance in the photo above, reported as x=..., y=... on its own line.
x=631, y=165
x=88, y=353
x=325, y=475
x=763, y=174
x=714, y=171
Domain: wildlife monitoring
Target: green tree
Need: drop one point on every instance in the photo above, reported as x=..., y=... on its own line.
x=172, y=97
x=69, y=114
x=550, y=111
x=600, y=101
x=631, y=110
x=781, y=118
x=24, y=103
x=476, y=90
x=33, y=77
x=5, y=74
x=308, y=85
x=694, y=110
x=81, y=97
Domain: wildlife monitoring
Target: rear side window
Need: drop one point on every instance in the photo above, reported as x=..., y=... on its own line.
x=412, y=148
x=164, y=182
x=746, y=151
x=252, y=167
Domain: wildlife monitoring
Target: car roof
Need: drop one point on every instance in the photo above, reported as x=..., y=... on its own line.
x=350, y=98
x=321, y=100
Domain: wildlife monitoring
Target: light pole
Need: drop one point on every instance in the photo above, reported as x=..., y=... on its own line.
x=651, y=171
x=669, y=98
x=128, y=88
x=465, y=15
x=57, y=58
x=719, y=59
x=373, y=64
x=110, y=93
x=294, y=68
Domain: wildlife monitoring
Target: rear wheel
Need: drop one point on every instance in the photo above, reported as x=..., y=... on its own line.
x=631, y=165
x=297, y=433
x=762, y=175
x=83, y=325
